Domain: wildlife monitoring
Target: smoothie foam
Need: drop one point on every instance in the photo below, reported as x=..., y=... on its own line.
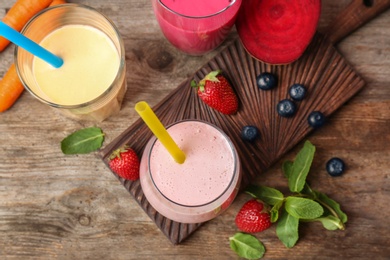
x=91, y=63
x=200, y=8
x=196, y=27
x=206, y=172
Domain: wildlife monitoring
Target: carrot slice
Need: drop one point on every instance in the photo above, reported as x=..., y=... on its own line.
x=20, y=13
x=10, y=88
x=277, y=31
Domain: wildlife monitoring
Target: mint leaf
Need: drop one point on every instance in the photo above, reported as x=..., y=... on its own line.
x=301, y=167
x=247, y=246
x=332, y=206
x=269, y=195
x=303, y=208
x=287, y=168
x=83, y=141
x=287, y=229
x=274, y=212
x=330, y=222
x=309, y=192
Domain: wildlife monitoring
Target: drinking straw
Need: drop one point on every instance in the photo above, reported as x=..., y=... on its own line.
x=155, y=125
x=30, y=46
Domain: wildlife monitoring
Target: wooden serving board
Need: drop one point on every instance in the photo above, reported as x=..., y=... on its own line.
x=330, y=82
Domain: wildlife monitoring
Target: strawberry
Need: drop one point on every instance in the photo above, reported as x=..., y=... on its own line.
x=216, y=91
x=124, y=162
x=253, y=217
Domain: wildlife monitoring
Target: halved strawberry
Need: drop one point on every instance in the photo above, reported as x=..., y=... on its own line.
x=253, y=217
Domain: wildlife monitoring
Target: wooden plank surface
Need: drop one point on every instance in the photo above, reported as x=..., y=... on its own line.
x=71, y=207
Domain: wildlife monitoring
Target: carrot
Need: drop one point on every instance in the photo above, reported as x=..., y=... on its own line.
x=57, y=2
x=20, y=13
x=10, y=88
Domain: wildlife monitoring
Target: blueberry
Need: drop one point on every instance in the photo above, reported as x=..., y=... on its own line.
x=266, y=81
x=316, y=119
x=297, y=92
x=249, y=133
x=286, y=108
x=335, y=167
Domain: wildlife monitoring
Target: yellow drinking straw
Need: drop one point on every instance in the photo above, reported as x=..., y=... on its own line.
x=155, y=125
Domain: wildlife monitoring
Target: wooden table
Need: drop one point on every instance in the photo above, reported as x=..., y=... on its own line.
x=72, y=207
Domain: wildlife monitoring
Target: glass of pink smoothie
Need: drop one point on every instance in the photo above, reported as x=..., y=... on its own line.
x=204, y=185
x=196, y=27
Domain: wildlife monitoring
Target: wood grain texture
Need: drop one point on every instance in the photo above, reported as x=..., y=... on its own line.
x=356, y=14
x=72, y=207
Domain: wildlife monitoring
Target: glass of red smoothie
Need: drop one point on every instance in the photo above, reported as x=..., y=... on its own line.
x=196, y=27
x=204, y=185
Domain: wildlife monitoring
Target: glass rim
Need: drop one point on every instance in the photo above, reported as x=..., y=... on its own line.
x=121, y=53
x=197, y=17
x=235, y=162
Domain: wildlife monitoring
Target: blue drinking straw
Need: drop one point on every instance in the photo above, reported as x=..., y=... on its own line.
x=30, y=46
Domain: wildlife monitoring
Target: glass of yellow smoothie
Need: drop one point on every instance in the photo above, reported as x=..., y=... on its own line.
x=91, y=83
